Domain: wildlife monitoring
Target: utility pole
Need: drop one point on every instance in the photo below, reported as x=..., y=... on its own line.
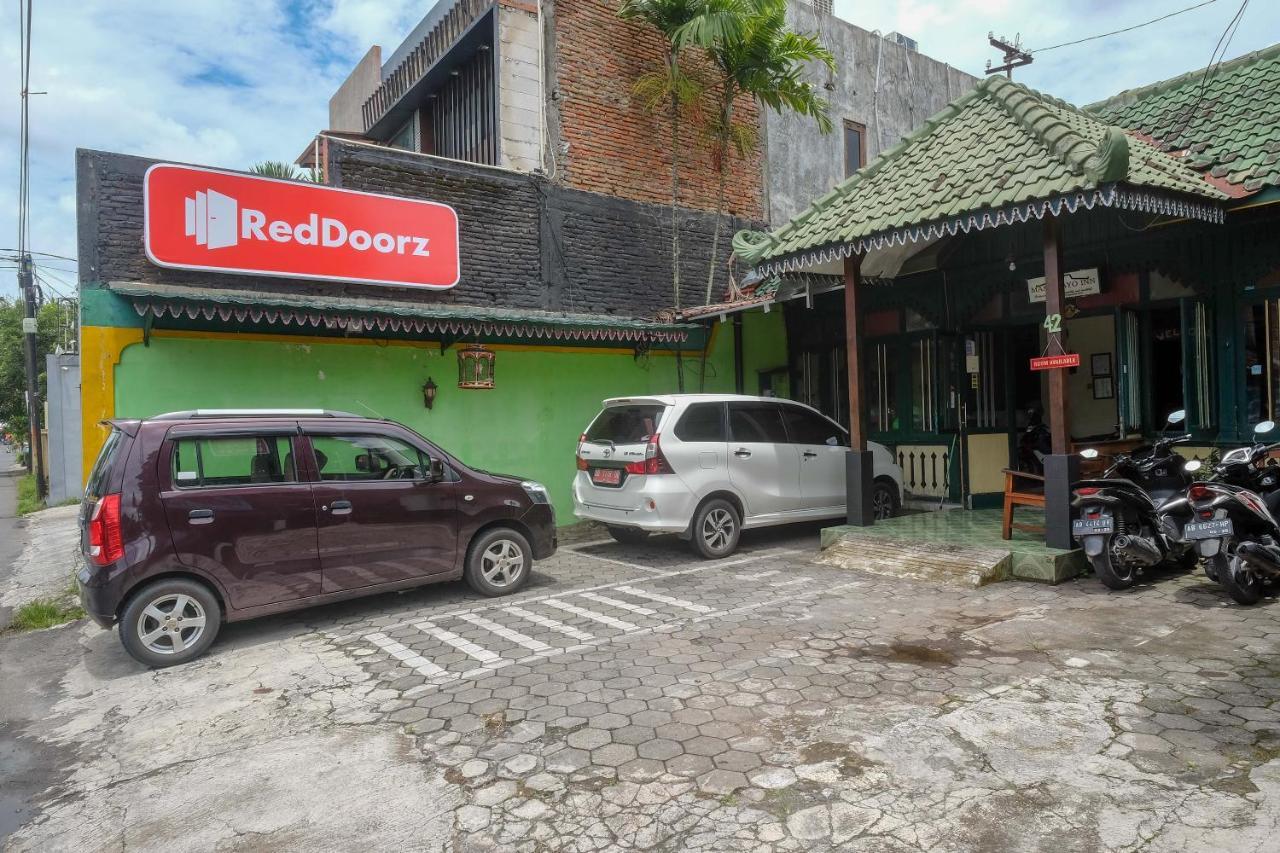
x=1014, y=55
x=35, y=411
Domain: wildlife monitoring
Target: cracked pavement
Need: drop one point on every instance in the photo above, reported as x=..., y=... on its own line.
x=634, y=698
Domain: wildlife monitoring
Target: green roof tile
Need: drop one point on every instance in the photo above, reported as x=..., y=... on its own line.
x=998, y=148
x=1229, y=119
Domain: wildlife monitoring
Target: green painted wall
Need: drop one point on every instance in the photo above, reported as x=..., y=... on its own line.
x=528, y=425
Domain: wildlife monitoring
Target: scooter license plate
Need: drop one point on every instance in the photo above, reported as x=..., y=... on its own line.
x=1215, y=529
x=1092, y=526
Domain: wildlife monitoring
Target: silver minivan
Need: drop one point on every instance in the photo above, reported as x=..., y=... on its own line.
x=707, y=466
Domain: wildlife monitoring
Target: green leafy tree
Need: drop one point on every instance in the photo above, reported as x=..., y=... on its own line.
x=670, y=88
x=52, y=321
x=280, y=169
x=762, y=58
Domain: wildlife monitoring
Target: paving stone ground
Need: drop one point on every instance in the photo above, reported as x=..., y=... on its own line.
x=634, y=698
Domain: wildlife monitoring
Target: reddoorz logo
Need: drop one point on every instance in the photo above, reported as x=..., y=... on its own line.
x=211, y=218
x=245, y=224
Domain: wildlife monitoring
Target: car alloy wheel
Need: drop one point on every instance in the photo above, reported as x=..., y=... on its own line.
x=717, y=529
x=170, y=624
x=502, y=563
x=882, y=504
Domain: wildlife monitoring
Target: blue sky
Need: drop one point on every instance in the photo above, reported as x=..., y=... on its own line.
x=232, y=82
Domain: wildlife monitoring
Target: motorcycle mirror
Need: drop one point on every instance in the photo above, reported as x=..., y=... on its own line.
x=1265, y=426
x=1089, y=453
x=1178, y=416
x=1193, y=466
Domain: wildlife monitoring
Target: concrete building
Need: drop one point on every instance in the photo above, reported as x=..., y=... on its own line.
x=882, y=89
x=523, y=119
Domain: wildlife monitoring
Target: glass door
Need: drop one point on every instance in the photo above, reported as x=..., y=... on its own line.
x=1129, y=344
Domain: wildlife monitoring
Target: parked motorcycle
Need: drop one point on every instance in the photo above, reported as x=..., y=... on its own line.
x=1234, y=519
x=1131, y=517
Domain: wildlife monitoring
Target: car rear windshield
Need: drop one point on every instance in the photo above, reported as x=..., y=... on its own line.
x=626, y=424
x=97, y=485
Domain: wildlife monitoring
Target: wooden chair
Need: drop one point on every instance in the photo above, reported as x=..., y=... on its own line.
x=1021, y=489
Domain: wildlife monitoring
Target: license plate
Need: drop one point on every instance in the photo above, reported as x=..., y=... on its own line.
x=607, y=476
x=1091, y=526
x=1215, y=529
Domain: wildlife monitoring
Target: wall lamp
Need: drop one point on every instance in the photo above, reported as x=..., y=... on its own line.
x=429, y=393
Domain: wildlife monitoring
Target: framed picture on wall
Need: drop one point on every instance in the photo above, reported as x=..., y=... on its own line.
x=1103, y=389
x=1100, y=364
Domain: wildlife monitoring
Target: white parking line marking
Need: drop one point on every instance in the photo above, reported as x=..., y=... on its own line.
x=665, y=599
x=506, y=633
x=405, y=655
x=341, y=639
x=777, y=584
x=591, y=614
x=461, y=644
x=616, y=562
x=750, y=576
x=567, y=630
x=621, y=605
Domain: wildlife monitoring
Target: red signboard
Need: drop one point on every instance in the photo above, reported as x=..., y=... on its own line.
x=1056, y=362
x=204, y=219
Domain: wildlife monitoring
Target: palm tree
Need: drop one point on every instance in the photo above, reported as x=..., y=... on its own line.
x=671, y=88
x=762, y=58
x=280, y=169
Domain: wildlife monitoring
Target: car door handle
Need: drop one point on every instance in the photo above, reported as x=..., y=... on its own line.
x=340, y=508
x=809, y=454
x=742, y=453
x=200, y=516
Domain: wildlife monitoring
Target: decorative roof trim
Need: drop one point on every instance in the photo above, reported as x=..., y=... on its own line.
x=160, y=301
x=1108, y=196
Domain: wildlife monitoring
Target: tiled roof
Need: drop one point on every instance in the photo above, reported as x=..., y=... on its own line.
x=348, y=313
x=1228, y=123
x=1001, y=153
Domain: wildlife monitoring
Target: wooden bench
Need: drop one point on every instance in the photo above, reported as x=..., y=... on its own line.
x=1021, y=489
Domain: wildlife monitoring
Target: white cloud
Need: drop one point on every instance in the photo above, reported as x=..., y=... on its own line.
x=217, y=82
x=232, y=82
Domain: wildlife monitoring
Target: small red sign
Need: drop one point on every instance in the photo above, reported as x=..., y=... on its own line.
x=1056, y=362
x=204, y=219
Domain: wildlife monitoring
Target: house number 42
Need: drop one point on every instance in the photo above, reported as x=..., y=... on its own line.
x=1053, y=324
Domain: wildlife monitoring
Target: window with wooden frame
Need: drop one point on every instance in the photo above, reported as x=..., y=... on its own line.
x=855, y=147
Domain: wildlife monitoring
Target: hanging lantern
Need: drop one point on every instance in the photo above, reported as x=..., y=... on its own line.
x=475, y=367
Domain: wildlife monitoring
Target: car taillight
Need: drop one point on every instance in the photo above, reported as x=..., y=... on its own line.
x=1088, y=490
x=582, y=463
x=1198, y=492
x=105, y=544
x=654, y=462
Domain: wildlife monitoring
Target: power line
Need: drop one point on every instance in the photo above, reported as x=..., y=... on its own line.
x=45, y=254
x=1125, y=30
x=1215, y=60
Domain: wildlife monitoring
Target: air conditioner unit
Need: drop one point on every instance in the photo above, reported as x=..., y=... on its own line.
x=906, y=41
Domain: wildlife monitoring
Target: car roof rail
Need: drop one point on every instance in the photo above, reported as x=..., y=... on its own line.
x=197, y=414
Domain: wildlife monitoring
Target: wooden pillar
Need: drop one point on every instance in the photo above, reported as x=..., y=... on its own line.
x=858, y=467
x=1061, y=467
x=853, y=350
x=1053, y=304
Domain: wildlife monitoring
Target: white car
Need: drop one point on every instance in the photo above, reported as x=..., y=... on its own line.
x=708, y=466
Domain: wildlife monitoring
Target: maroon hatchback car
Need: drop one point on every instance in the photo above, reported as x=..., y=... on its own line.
x=194, y=518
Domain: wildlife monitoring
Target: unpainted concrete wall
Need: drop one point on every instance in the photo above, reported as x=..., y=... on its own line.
x=804, y=164
x=520, y=89
x=345, y=111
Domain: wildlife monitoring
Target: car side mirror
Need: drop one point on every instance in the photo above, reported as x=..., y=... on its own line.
x=833, y=441
x=436, y=469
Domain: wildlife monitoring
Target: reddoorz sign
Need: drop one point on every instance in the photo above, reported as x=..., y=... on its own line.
x=203, y=219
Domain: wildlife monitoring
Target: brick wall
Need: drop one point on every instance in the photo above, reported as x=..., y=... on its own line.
x=613, y=145
x=526, y=242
